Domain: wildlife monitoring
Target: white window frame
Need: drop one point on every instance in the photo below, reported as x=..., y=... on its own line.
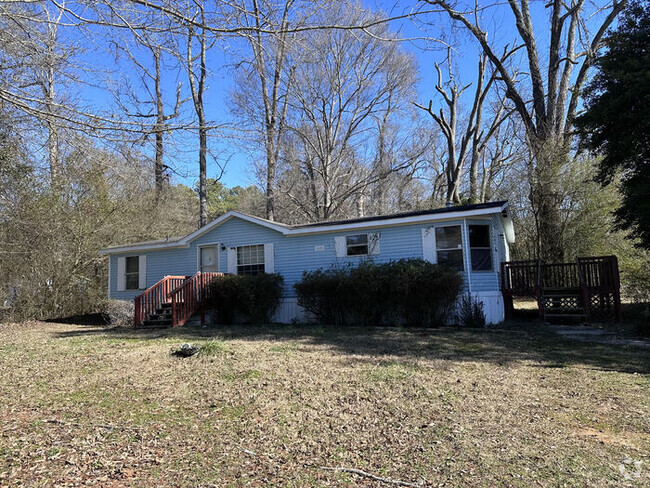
x=127, y=274
x=198, y=254
x=263, y=263
x=489, y=247
x=348, y=246
x=437, y=249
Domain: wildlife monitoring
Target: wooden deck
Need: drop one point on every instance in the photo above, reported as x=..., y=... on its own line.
x=586, y=290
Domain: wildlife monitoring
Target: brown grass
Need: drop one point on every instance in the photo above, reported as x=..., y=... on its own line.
x=269, y=406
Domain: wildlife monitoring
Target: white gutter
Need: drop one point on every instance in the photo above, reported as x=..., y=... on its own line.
x=398, y=221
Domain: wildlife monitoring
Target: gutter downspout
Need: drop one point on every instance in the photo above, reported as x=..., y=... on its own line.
x=467, y=256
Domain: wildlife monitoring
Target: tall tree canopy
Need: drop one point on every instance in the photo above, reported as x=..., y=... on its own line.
x=617, y=120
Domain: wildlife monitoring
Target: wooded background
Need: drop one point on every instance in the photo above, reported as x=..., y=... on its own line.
x=110, y=133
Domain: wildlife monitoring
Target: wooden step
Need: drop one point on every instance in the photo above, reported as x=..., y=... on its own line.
x=157, y=323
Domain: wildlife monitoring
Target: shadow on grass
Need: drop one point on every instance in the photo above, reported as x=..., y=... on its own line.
x=518, y=341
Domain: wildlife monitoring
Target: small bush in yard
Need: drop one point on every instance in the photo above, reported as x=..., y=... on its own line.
x=409, y=291
x=252, y=298
x=120, y=313
x=470, y=311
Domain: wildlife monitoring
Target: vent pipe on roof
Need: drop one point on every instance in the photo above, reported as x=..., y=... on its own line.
x=449, y=204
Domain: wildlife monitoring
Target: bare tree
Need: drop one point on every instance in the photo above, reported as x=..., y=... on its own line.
x=348, y=82
x=145, y=38
x=576, y=35
x=197, y=72
x=470, y=140
x=266, y=78
x=35, y=66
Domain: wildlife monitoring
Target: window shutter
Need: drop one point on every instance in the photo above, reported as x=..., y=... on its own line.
x=269, y=259
x=373, y=243
x=429, y=245
x=142, y=271
x=121, y=274
x=232, y=260
x=339, y=247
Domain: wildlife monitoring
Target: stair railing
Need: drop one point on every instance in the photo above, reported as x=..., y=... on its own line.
x=190, y=297
x=153, y=297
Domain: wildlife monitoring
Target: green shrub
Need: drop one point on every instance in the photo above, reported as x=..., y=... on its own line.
x=250, y=298
x=409, y=291
x=323, y=292
x=470, y=311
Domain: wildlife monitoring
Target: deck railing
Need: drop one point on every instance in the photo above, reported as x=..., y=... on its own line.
x=520, y=277
x=153, y=297
x=559, y=275
x=595, y=278
x=190, y=297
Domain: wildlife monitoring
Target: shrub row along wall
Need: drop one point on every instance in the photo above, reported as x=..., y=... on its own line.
x=251, y=299
x=410, y=292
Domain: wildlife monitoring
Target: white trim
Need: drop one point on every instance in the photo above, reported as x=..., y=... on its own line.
x=121, y=273
x=131, y=248
x=315, y=229
x=198, y=254
x=269, y=258
x=142, y=272
x=467, y=254
x=429, y=250
x=109, y=276
x=340, y=247
x=374, y=243
x=508, y=228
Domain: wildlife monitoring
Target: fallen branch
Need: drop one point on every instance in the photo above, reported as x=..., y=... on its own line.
x=372, y=476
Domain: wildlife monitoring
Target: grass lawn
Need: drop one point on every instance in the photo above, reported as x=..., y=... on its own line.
x=272, y=406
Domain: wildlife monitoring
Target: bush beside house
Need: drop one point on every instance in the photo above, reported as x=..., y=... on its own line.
x=411, y=292
x=251, y=299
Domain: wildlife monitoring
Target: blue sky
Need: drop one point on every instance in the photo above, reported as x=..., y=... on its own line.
x=498, y=21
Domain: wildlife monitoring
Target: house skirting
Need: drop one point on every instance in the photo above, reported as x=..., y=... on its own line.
x=289, y=311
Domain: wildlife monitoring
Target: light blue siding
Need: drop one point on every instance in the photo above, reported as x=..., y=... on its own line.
x=298, y=253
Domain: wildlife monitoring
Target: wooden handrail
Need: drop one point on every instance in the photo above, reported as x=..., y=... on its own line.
x=153, y=297
x=595, y=278
x=190, y=296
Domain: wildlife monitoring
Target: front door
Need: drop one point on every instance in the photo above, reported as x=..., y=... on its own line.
x=208, y=259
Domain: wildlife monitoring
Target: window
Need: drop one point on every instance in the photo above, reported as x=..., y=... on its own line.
x=357, y=245
x=250, y=260
x=480, y=249
x=132, y=272
x=449, y=247
x=208, y=259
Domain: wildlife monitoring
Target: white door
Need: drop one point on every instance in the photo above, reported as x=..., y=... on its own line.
x=208, y=259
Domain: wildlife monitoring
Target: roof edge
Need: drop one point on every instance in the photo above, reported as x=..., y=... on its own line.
x=321, y=227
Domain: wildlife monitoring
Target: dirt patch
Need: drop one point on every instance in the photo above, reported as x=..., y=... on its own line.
x=627, y=439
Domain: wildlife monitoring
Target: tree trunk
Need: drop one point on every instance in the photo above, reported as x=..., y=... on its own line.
x=203, y=180
x=271, y=165
x=546, y=197
x=159, y=127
